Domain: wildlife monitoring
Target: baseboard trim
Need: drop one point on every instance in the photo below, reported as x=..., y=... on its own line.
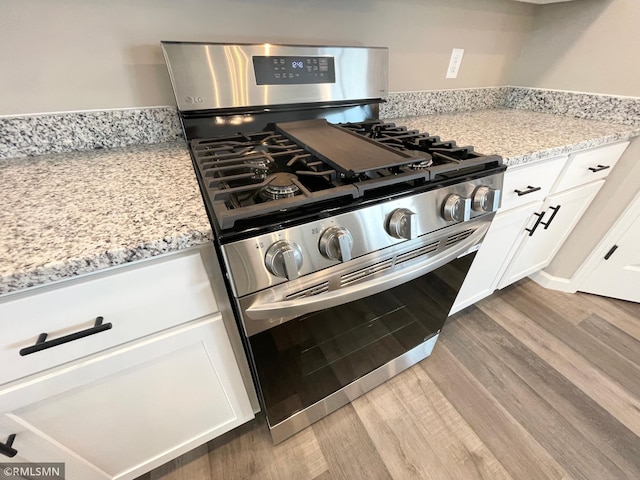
x=552, y=282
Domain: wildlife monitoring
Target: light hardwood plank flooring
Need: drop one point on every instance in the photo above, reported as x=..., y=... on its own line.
x=527, y=384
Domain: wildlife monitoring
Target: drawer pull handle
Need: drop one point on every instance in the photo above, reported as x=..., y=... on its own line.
x=6, y=449
x=529, y=190
x=610, y=252
x=43, y=344
x=599, y=167
x=533, y=229
x=553, y=215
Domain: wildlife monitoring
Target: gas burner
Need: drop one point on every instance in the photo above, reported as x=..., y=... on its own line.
x=261, y=162
x=282, y=185
x=259, y=166
x=421, y=165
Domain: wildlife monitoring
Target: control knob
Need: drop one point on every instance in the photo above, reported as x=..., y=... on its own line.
x=402, y=224
x=486, y=199
x=335, y=244
x=284, y=259
x=456, y=208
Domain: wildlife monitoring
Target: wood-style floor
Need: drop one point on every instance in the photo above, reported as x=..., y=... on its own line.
x=527, y=384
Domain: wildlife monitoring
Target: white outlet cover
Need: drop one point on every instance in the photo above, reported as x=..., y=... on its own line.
x=454, y=63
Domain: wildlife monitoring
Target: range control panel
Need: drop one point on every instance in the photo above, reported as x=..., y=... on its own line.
x=294, y=70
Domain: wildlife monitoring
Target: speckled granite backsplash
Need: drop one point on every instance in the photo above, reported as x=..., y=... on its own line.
x=29, y=135
x=409, y=104
x=605, y=108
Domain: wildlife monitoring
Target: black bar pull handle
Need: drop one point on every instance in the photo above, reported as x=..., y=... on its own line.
x=610, y=252
x=43, y=344
x=7, y=449
x=533, y=229
x=530, y=189
x=599, y=167
x=553, y=215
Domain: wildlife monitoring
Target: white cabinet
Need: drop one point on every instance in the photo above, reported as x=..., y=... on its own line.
x=498, y=246
x=613, y=269
x=135, y=301
x=523, y=191
x=589, y=165
x=116, y=404
x=541, y=203
x=122, y=412
x=550, y=228
x=34, y=447
x=529, y=183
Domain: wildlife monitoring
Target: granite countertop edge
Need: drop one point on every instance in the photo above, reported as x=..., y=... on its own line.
x=540, y=155
x=53, y=272
x=33, y=276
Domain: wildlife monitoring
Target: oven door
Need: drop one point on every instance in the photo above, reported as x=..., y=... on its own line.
x=318, y=343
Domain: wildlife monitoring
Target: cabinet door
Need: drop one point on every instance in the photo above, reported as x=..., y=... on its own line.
x=617, y=273
x=33, y=447
x=560, y=213
x=131, y=409
x=496, y=250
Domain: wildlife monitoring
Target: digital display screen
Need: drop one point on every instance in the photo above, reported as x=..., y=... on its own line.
x=284, y=70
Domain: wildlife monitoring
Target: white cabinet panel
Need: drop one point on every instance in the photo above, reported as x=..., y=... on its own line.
x=498, y=247
x=130, y=409
x=560, y=213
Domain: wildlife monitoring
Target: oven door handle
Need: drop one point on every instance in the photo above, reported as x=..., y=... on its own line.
x=273, y=313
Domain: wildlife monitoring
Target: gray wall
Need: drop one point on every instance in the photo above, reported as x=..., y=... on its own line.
x=584, y=45
x=61, y=55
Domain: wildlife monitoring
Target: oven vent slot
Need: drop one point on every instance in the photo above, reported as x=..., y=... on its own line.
x=432, y=247
x=349, y=278
x=308, y=292
x=457, y=238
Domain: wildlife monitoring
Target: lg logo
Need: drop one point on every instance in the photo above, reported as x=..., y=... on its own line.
x=192, y=100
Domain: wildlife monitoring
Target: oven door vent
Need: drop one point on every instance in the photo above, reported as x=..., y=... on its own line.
x=349, y=278
x=457, y=238
x=308, y=292
x=427, y=249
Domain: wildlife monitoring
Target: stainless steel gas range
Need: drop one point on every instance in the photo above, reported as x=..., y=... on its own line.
x=344, y=239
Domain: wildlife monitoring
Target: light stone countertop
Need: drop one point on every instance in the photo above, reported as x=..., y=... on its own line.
x=67, y=214
x=520, y=136
x=73, y=213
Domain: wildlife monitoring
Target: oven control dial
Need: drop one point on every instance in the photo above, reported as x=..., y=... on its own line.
x=486, y=199
x=456, y=208
x=336, y=243
x=284, y=259
x=402, y=224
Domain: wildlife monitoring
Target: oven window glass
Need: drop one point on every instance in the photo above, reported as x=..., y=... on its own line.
x=306, y=359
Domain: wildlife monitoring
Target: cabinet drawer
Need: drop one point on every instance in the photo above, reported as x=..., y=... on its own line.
x=593, y=164
x=136, y=301
x=530, y=183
